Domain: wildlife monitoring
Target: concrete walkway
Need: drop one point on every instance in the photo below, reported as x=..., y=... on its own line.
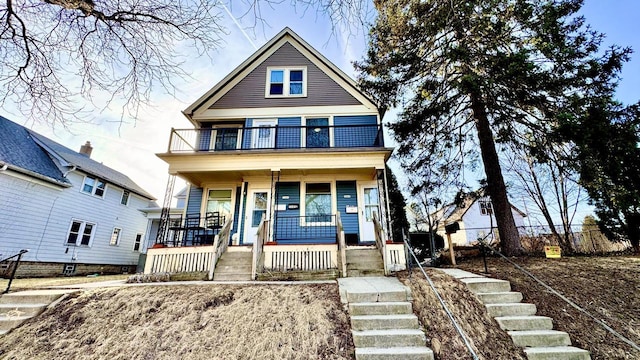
x=123, y=283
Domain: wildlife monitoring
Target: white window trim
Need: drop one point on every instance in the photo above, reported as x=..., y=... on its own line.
x=303, y=129
x=128, y=197
x=205, y=202
x=214, y=134
x=142, y=240
x=118, y=238
x=303, y=202
x=80, y=233
x=285, y=85
x=255, y=134
x=93, y=189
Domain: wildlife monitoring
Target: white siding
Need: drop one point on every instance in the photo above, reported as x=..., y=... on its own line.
x=37, y=217
x=479, y=225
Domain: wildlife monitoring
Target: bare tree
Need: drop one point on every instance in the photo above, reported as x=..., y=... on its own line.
x=63, y=59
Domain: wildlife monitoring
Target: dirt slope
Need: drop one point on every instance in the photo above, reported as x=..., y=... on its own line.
x=189, y=322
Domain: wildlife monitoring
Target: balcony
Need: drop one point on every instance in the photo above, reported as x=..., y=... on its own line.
x=229, y=139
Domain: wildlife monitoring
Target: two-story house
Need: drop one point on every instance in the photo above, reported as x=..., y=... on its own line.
x=74, y=215
x=287, y=157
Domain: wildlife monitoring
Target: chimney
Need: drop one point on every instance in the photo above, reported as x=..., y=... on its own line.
x=86, y=149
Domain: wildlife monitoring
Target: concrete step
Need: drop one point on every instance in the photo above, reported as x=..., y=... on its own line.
x=395, y=353
x=500, y=297
x=557, y=353
x=388, y=338
x=525, y=322
x=384, y=322
x=369, y=297
x=539, y=338
x=372, y=264
x=237, y=255
x=32, y=297
x=9, y=322
x=362, y=252
x=380, y=308
x=233, y=268
x=519, y=309
x=487, y=285
x=365, y=273
x=231, y=276
x=21, y=309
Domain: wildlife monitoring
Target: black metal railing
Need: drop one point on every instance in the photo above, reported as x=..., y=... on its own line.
x=305, y=229
x=275, y=137
x=15, y=265
x=193, y=229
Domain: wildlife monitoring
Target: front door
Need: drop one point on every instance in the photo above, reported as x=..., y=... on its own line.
x=369, y=208
x=257, y=206
x=264, y=134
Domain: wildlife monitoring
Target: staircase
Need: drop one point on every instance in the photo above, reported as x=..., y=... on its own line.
x=234, y=265
x=382, y=321
x=16, y=308
x=534, y=333
x=364, y=262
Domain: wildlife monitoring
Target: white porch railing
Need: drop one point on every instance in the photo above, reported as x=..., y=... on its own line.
x=284, y=258
x=341, y=246
x=220, y=244
x=179, y=259
x=258, y=245
x=381, y=243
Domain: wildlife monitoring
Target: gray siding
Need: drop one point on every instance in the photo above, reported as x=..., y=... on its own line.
x=38, y=217
x=321, y=89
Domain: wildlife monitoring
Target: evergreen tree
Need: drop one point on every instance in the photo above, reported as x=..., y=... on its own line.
x=477, y=74
x=397, y=206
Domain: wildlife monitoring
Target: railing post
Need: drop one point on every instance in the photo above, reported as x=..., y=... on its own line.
x=15, y=268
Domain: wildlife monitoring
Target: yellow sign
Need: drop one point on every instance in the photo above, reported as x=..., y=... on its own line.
x=552, y=252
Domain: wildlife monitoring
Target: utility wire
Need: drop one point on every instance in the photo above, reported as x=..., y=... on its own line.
x=238, y=25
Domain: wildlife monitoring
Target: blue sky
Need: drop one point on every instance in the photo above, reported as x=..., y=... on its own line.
x=130, y=147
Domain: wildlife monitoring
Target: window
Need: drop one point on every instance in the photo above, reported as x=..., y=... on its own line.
x=219, y=201
x=485, y=207
x=283, y=82
x=226, y=139
x=80, y=233
x=125, y=197
x=115, y=237
x=93, y=186
x=317, y=202
x=137, y=242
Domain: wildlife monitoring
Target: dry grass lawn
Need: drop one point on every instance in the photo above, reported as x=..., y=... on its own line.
x=43, y=283
x=189, y=322
x=486, y=337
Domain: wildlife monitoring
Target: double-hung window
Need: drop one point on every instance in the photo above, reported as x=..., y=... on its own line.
x=137, y=242
x=80, y=233
x=124, y=200
x=115, y=237
x=94, y=186
x=485, y=207
x=219, y=201
x=286, y=82
x=226, y=138
x=317, y=203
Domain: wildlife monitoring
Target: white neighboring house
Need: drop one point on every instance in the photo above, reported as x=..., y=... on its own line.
x=74, y=215
x=475, y=216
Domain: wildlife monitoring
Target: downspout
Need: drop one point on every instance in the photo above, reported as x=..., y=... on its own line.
x=73, y=168
x=4, y=167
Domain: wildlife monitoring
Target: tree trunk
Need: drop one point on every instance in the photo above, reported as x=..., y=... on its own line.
x=509, y=237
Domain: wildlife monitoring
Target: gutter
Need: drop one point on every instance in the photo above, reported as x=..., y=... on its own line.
x=73, y=168
x=35, y=175
x=4, y=167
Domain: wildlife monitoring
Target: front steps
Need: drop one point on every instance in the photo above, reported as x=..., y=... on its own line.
x=16, y=308
x=234, y=265
x=382, y=320
x=534, y=333
x=363, y=262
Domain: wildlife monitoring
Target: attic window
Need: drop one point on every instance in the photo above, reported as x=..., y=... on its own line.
x=286, y=82
x=485, y=207
x=93, y=186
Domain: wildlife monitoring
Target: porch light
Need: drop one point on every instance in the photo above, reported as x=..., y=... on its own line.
x=317, y=129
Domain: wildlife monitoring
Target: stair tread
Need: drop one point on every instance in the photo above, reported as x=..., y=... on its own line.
x=383, y=317
x=555, y=349
x=536, y=332
x=522, y=317
x=18, y=305
x=4, y=317
x=388, y=332
x=395, y=350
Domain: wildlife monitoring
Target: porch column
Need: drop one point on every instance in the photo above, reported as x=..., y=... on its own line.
x=384, y=202
x=275, y=178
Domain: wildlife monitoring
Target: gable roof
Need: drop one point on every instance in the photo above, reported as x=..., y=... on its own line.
x=28, y=144
x=286, y=36
x=455, y=212
x=19, y=151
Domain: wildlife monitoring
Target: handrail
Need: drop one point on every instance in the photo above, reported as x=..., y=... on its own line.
x=381, y=243
x=220, y=245
x=258, y=245
x=341, y=245
x=15, y=268
x=459, y=330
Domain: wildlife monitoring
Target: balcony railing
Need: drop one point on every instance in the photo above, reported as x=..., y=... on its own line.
x=275, y=137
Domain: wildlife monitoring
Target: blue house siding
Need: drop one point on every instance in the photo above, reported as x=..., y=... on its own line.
x=288, y=137
x=346, y=136
x=347, y=196
x=287, y=229
x=195, y=200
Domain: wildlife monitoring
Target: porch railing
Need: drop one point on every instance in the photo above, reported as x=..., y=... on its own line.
x=179, y=259
x=381, y=243
x=275, y=137
x=15, y=264
x=220, y=245
x=194, y=229
x=258, y=245
x=341, y=246
x=305, y=229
